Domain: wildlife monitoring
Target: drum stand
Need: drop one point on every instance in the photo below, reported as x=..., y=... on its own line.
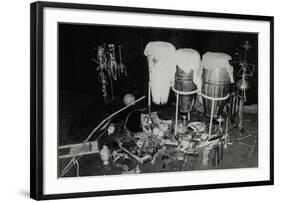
x=205, y=155
x=212, y=110
x=241, y=130
x=177, y=105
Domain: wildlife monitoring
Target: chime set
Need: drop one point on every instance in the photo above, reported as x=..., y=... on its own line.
x=109, y=69
x=188, y=76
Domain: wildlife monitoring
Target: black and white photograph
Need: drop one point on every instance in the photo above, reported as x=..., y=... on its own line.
x=136, y=100
x=140, y=101
x=128, y=100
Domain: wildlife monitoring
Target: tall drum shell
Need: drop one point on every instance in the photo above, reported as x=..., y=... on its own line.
x=188, y=64
x=162, y=66
x=216, y=85
x=216, y=77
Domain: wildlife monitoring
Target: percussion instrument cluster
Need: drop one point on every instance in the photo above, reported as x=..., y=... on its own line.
x=208, y=81
x=191, y=79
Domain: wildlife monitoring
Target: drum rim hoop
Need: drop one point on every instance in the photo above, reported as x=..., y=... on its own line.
x=183, y=92
x=213, y=82
x=215, y=98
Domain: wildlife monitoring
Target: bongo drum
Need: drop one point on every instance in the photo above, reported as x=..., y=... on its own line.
x=161, y=62
x=216, y=76
x=188, y=64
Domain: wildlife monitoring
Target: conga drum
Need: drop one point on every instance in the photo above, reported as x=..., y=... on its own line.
x=216, y=76
x=188, y=63
x=161, y=63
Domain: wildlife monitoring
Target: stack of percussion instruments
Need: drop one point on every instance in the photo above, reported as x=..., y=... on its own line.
x=189, y=77
x=194, y=80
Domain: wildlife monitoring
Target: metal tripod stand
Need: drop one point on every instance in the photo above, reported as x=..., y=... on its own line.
x=242, y=132
x=245, y=72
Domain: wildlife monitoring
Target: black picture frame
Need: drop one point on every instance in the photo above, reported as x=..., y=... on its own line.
x=37, y=99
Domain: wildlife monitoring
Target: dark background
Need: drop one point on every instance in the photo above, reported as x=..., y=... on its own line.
x=81, y=105
x=78, y=42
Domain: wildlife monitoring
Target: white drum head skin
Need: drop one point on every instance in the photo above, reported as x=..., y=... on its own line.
x=212, y=60
x=162, y=67
x=189, y=59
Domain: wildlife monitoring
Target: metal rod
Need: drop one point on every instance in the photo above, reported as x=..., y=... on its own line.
x=176, y=118
x=149, y=100
x=211, y=119
x=252, y=149
x=120, y=54
x=226, y=132
x=241, y=111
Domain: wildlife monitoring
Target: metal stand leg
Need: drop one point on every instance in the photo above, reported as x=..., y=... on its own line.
x=252, y=149
x=240, y=124
x=240, y=115
x=176, y=118
x=149, y=99
x=241, y=129
x=226, y=133
x=211, y=120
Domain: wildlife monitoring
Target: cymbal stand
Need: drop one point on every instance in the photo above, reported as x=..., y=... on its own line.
x=242, y=132
x=246, y=71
